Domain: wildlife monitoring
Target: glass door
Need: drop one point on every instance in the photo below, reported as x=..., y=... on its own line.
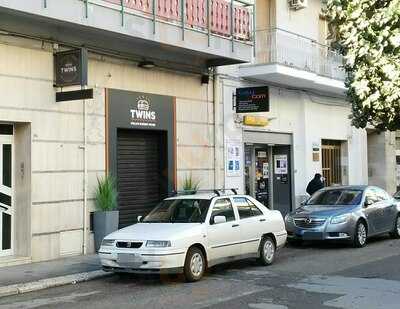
x=6, y=190
x=257, y=172
x=262, y=167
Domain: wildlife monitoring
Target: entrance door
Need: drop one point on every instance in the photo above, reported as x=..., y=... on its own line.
x=141, y=171
x=257, y=172
x=6, y=190
x=282, y=179
x=331, y=162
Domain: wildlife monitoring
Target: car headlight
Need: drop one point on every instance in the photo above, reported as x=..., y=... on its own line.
x=158, y=243
x=288, y=218
x=339, y=219
x=108, y=243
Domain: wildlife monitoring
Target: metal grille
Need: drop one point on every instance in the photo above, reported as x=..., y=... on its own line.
x=308, y=222
x=140, y=178
x=129, y=244
x=331, y=162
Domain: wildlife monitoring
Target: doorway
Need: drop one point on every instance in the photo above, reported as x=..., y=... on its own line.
x=268, y=175
x=257, y=182
x=6, y=189
x=331, y=162
x=142, y=172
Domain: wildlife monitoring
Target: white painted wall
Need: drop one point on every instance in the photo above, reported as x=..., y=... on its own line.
x=309, y=118
x=303, y=21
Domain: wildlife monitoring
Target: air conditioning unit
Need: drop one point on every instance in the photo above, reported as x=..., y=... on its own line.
x=298, y=4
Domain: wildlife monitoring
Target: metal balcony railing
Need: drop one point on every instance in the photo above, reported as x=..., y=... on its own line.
x=233, y=19
x=294, y=50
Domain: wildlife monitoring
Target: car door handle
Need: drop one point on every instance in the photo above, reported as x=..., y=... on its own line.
x=262, y=220
x=235, y=225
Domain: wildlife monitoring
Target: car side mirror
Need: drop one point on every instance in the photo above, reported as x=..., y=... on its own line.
x=219, y=219
x=139, y=218
x=367, y=203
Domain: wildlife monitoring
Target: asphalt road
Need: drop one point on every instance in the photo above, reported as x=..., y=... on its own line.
x=308, y=276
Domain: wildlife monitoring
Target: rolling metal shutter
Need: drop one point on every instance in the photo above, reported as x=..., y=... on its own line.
x=138, y=168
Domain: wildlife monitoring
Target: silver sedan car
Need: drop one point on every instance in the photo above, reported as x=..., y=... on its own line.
x=350, y=213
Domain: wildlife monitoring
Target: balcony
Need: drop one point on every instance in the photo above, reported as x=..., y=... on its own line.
x=289, y=59
x=194, y=33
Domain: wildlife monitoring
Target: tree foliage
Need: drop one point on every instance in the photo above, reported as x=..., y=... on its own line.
x=368, y=33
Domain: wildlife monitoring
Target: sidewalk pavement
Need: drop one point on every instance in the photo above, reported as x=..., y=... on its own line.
x=37, y=276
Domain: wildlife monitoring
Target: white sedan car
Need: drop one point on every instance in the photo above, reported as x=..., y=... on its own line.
x=192, y=232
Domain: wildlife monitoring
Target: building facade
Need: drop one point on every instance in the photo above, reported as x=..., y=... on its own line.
x=153, y=119
x=306, y=129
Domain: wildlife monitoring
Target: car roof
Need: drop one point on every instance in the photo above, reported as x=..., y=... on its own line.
x=203, y=196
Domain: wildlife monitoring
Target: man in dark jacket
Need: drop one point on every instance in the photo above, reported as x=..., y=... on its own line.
x=315, y=184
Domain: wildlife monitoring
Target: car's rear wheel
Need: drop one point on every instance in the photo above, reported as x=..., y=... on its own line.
x=267, y=251
x=195, y=265
x=396, y=230
x=360, y=235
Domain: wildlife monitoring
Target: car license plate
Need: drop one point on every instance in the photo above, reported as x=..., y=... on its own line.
x=128, y=258
x=312, y=236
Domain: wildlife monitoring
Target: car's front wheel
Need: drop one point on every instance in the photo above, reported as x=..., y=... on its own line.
x=360, y=235
x=396, y=231
x=267, y=250
x=195, y=265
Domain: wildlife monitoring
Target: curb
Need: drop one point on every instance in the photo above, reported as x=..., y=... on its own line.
x=42, y=284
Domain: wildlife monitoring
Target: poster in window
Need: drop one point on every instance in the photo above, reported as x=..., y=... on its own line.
x=233, y=158
x=281, y=164
x=265, y=170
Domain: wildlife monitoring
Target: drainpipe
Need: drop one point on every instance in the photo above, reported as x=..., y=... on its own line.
x=216, y=99
x=85, y=178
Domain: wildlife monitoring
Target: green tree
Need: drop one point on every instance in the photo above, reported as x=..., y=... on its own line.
x=368, y=35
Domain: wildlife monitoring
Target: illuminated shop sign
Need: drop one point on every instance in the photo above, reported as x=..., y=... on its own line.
x=252, y=100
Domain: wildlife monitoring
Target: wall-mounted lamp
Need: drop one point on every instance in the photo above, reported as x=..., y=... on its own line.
x=146, y=64
x=205, y=78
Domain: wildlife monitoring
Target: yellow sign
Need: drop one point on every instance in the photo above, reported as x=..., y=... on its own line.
x=256, y=121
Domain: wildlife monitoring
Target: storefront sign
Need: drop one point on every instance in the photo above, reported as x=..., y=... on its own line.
x=261, y=154
x=256, y=121
x=281, y=164
x=71, y=68
x=142, y=113
x=234, y=158
x=252, y=100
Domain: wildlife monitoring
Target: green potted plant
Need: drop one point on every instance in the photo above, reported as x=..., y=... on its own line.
x=105, y=218
x=190, y=185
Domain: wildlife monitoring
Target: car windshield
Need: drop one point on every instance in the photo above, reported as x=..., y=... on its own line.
x=336, y=197
x=179, y=211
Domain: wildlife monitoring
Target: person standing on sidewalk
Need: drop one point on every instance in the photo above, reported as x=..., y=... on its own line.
x=315, y=184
